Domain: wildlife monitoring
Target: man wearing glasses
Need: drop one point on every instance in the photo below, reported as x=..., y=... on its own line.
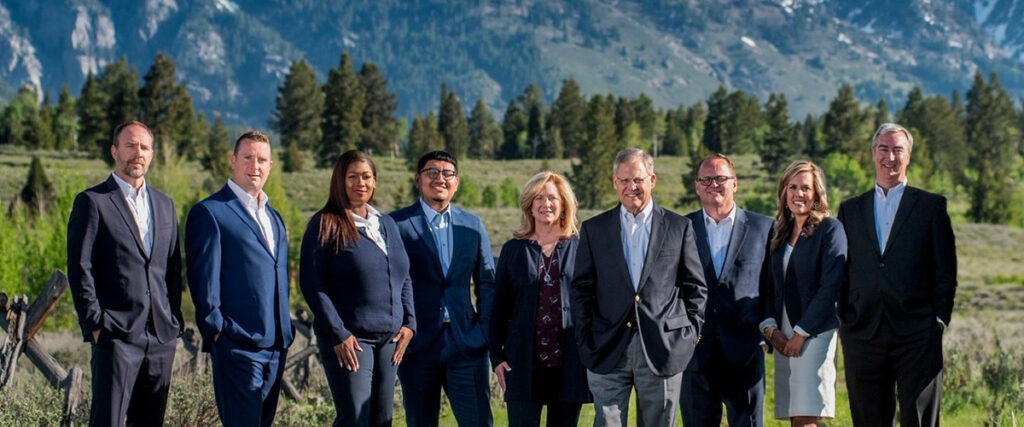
x=637, y=300
x=450, y=256
x=728, y=364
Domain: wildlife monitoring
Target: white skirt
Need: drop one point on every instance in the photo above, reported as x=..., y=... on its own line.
x=806, y=385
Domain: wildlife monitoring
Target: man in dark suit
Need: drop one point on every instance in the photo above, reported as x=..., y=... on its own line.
x=898, y=294
x=450, y=256
x=638, y=300
x=728, y=364
x=124, y=269
x=237, y=254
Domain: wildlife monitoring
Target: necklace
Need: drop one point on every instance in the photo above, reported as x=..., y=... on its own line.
x=547, y=265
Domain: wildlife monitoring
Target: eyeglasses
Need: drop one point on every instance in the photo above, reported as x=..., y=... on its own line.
x=433, y=173
x=718, y=179
x=635, y=181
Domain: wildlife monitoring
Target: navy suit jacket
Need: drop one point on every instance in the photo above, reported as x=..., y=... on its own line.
x=667, y=307
x=433, y=290
x=113, y=282
x=233, y=276
x=810, y=287
x=913, y=281
x=733, y=309
x=359, y=289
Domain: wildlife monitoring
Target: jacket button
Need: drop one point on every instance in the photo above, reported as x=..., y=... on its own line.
x=629, y=324
x=881, y=265
x=637, y=298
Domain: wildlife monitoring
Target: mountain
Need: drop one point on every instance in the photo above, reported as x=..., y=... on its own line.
x=233, y=54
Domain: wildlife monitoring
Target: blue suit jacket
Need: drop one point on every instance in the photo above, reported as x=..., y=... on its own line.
x=433, y=290
x=733, y=309
x=113, y=282
x=817, y=267
x=232, y=274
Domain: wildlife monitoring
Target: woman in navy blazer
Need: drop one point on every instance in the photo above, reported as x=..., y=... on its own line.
x=800, y=283
x=354, y=275
x=532, y=347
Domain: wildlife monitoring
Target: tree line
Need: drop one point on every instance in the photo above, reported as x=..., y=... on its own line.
x=970, y=147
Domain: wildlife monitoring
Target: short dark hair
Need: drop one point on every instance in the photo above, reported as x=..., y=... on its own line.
x=121, y=127
x=440, y=155
x=253, y=135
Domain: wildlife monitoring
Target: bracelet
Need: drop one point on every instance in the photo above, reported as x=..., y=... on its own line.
x=767, y=331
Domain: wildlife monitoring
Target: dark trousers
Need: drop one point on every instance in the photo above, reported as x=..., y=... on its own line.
x=547, y=385
x=739, y=386
x=465, y=378
x=365, y=397
x=246, y=383
x=130, y=380
x=887, y=369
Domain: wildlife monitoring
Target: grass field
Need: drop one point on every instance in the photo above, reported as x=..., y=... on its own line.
x=988, y=315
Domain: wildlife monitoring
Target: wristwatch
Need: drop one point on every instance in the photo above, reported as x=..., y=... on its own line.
x=767, y=331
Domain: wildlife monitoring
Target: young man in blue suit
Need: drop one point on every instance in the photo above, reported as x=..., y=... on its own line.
x=451, y=263
x=237, y=255
x=728, y=364
x=124, y=269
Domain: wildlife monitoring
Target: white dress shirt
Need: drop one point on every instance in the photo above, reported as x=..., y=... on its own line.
x=371, y=226
x=258, y=209
x=886, y=204
x=719, y=236
x=138, y=204
x=441, y=227
x=636, y=235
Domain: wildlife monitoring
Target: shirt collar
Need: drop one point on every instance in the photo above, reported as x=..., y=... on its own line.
x=431, y=213
x=248, y=200
x=895, y=191
x=642, y=217
x=127, y=188
x=729, y=219
x=372, y=217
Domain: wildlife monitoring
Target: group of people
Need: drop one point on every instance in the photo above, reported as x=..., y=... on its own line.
x=679, y=309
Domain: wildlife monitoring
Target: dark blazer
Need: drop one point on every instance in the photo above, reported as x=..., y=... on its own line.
x=113, y=282
x=232, y=274
x=667, y=308
x=913, y=281
x=733, y=309
x=358, y=290
x=433, y=290
x=816, y=269
x=513, y=320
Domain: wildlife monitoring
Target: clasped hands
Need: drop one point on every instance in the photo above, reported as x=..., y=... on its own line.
x=346, y=351
x=791, y=347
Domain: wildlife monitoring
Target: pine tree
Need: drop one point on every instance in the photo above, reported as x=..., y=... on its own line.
x=566, y=117
x=674, y=141
x=809, y=136
x=775, y=151
x=693, y=126
x=881, y=114
x=844, y=127
x=380, y=129
x=297, y=114
x=344, y=101
x=451, y=123
x=993, y=136
x=513, y=131
x=716, y=123
x=120, y=84
x=745, y=121
x=167, y=109
x=645, y=117
x=91, y=108
x=423, y=138
x=592, y=176
x=532, y=103
x=217, y=157
x=484, y=135
x=39, y=127
x=934, y=120
x=65, y=123
x=38, y=194
x=18, y=116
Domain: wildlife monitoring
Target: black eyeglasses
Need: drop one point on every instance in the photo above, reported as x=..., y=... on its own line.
x=433, y=173
x=719, y=179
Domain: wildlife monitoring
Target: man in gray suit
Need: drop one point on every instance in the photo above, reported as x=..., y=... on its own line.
x=639, y=311
x=728, y=364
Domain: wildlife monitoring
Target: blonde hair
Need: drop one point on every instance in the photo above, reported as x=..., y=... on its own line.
x=530, y=191
x=784, y=221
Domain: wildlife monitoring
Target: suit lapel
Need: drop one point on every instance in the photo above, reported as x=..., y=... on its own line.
x=460, y=239
x=420, y=226
x=868, y=213
x=117, y=199
x=703, y=248
x=739, y=233
x=236, y=205
x=654, y=246
x=907, y=203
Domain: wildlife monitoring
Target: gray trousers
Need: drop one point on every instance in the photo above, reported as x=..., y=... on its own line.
x=657, y=397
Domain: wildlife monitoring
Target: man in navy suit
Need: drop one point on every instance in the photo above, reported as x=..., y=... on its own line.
x=124, y=269
x=237, y=254
x=728, y=364
x=451, y=262
x=898, y=295
x=638, y=299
